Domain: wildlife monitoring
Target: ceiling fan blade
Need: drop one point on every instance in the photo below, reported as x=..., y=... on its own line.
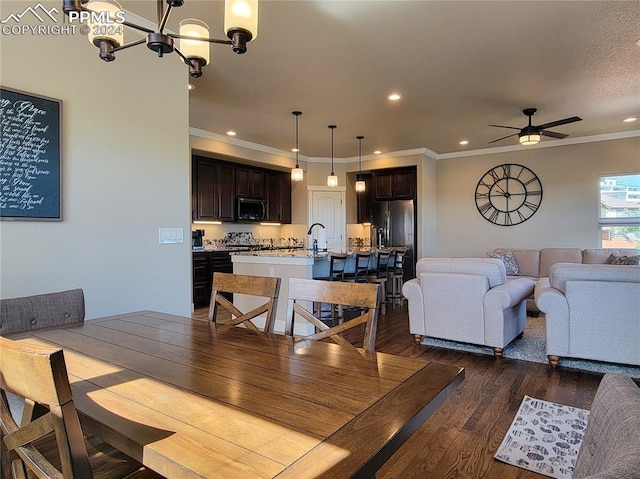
x=503, y=138
x=553, y=134
x=559, y=122
x=502, y=126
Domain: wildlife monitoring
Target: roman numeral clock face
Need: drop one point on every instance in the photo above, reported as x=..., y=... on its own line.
x=508, y=194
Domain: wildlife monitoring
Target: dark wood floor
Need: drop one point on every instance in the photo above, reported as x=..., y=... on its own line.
x=459, y=440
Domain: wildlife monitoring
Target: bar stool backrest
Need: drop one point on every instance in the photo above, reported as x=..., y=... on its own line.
x=383, y=263
x=362, y=267
x=337, y=263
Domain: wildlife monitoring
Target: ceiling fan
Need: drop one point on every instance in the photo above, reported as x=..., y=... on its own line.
x=530, y=134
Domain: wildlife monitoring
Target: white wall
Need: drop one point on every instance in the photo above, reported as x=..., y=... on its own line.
x=126, y=169
x=570, y=204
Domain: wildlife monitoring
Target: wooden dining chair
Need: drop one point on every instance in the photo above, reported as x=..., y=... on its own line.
x=304, y=292
x=49, y=442
x=264, y=286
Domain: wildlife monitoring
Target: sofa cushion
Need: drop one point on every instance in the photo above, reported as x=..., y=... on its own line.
x=600, y=255
x=611, y=445
x=551, y=256
x=492, y=268
x=509, y=260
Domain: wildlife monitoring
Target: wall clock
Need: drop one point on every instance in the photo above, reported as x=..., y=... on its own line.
x=508, y=194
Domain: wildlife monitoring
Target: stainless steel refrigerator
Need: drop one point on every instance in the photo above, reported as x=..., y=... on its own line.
x=393, y=224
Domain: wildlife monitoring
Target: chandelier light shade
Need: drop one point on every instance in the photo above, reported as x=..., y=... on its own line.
x=101, y=34
x=360, y=184
x=528, y=139
x=197, y=51
x=241, y=22
x=107, y=20
x=296, y=173
x=332, y=179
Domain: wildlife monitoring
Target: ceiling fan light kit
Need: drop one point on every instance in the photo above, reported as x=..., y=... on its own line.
x=532, y=134
x=106, y=20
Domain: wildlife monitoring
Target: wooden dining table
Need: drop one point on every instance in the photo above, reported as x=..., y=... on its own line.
x=194, y=399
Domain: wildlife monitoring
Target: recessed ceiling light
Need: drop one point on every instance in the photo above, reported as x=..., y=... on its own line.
x=464, y=142
x=377, y=152
x=191, y=86
x=231, y=133
x=394, y=96
x=629, y=120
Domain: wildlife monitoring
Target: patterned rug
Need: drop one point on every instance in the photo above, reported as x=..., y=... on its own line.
x=544, y=437
x=531, y=347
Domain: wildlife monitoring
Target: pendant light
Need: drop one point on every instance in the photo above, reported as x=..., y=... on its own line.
x=332, y=179
x=296, y=173
x=360, y=185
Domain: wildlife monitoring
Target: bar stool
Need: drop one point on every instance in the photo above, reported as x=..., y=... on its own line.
x=337, y=263
x=381, y=274
x=361, y=271
x=397, y=275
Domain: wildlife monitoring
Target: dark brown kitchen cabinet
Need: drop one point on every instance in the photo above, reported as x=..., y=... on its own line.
x=278, y=196
x=205, y=263
x=250, y=182
x=394, y=184
x=213, y=190
x=364, y=201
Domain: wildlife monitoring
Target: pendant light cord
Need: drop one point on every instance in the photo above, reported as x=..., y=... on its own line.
x=297, y=114
x=360, y=138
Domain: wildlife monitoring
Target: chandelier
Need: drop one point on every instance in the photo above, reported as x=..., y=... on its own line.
x=104, y=17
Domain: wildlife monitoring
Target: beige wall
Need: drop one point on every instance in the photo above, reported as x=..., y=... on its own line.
x=569, y=210
x=125, y=174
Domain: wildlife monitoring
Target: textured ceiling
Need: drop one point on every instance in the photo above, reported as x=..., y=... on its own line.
x=459, y=65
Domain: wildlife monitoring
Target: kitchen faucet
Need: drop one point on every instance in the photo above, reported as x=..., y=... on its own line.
x=314, y=224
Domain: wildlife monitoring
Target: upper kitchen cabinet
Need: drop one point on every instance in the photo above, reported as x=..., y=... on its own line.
x=394, y=184
x=278, y=196
x=250, y=182
x=213, y=190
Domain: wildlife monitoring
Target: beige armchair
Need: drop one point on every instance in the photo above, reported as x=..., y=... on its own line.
x=467, y=300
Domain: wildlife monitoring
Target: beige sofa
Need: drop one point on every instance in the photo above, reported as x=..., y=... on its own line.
x=467, y=300
x=592, y=312
x=536, y=263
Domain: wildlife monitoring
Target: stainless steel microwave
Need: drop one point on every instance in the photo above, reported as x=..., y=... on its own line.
x=251, y=210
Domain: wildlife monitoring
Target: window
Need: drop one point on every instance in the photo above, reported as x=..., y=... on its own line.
x=619, y=220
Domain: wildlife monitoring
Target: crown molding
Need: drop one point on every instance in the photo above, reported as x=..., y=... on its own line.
x=197, y=132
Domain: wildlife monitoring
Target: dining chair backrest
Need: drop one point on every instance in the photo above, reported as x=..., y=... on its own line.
x=39, y=374
x=41, y=311
x=365, y=296
x=264, y=286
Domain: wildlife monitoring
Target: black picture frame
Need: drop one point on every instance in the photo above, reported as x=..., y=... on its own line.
x=30, y=156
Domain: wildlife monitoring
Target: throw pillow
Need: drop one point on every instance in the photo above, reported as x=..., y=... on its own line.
x=509, y=260
x=627, y=260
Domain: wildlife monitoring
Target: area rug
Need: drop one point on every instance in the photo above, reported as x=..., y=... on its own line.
x=544, y=437
x=531, y=347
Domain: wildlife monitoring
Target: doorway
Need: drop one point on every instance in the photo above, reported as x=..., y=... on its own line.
x=327, y=207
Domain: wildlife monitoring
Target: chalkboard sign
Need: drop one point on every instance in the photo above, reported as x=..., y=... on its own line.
x=30, y=166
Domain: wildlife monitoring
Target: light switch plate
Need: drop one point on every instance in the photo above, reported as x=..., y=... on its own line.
x=170, y=235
